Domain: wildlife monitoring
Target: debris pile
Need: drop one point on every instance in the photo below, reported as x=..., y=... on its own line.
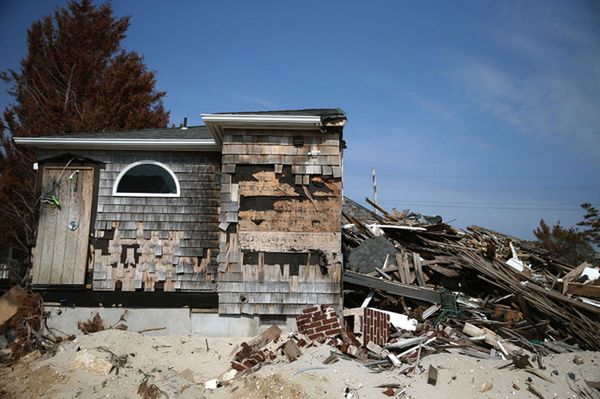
x=480, y=292
x=22, y=325
x=415, y=286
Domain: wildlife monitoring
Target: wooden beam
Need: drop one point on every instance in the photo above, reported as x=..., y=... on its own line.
x=587, y=290
x=409, y=291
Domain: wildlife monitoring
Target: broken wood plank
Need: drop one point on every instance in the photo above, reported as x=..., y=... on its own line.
x=368, y=299
x=572, y=275
x=384, y=274
x=430, y=310
x=490, y=337
x=265, y=337
x=432, y=375
x=406, y=342
x=586, y=290
x=421, y=293
x=418, y=270
x=402, y=268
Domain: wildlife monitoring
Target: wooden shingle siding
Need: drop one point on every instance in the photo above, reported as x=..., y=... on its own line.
x=279, y=201
x=142, y=241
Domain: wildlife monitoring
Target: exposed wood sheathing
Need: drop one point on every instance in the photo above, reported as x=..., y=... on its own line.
x=154, y=243
x=280, y=242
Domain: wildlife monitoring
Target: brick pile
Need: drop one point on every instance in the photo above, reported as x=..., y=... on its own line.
x=268, y=349
x=319, y=323
x=248, y=357
x=376, y=326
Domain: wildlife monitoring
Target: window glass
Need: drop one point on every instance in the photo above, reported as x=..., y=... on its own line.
x=147, y=179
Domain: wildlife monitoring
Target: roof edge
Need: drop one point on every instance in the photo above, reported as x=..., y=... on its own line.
x=216, y=122
x=119, y=144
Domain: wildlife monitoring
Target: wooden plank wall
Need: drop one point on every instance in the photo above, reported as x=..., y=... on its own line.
x=60, y=255
x=157, y=243
x=280, y=221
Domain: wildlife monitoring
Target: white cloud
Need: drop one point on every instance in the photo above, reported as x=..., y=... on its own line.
x=550, y=89
x=432, y=106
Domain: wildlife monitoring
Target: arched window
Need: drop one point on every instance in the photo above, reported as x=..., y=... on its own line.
x=146, y=179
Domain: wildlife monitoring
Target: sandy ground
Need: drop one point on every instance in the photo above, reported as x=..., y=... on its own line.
x=180, y=365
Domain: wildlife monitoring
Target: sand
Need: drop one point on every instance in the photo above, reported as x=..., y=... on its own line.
x=180, y=366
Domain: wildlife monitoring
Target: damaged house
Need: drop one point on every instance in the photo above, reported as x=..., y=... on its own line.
x=242, y=214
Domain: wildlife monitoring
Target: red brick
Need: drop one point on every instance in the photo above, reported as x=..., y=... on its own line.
x=255, y=359
x=237, y=366
x=322, y=328
x=301, y=342
x=260, y=357
x=319, y=317
x=329, y=321
x=310, y=310
x=249, y=363
x=302, y=317
x=317, y=336
x=314, y=324
x=301, y=324
x=332, y=332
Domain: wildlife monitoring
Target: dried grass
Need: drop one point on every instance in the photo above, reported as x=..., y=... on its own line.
x=92, y=325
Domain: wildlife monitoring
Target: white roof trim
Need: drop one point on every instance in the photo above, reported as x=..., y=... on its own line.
x=314, y=121
x=216, y=122
x=119, y=144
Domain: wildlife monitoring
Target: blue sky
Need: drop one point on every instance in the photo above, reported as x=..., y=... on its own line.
x=484, y=112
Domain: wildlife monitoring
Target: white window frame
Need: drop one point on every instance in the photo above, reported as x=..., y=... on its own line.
x=145, y=162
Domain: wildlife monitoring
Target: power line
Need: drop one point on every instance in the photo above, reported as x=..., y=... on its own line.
x=487, y=176
x=514, y=208
x=535, y=204
x=403, y=185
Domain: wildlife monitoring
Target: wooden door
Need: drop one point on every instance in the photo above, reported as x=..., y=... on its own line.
x=61, y=251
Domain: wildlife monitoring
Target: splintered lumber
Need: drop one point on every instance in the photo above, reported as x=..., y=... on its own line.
x=380, y=209
x=551, y=307
x=419, y=270
x=572, y=275
x=265, y=337
x=563, y=298
x=406, y=342
x=403, y=272
x=491, y=338
x=430, y=310
x=586, y=290
x=392, y=287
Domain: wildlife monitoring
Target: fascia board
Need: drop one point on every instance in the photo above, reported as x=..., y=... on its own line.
x=266, y=120
x=216, y=122
x=119, y=144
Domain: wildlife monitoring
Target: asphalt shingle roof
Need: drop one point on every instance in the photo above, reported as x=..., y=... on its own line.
x=191, y=133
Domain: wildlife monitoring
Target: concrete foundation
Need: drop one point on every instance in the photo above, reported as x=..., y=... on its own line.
x=178, y=321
